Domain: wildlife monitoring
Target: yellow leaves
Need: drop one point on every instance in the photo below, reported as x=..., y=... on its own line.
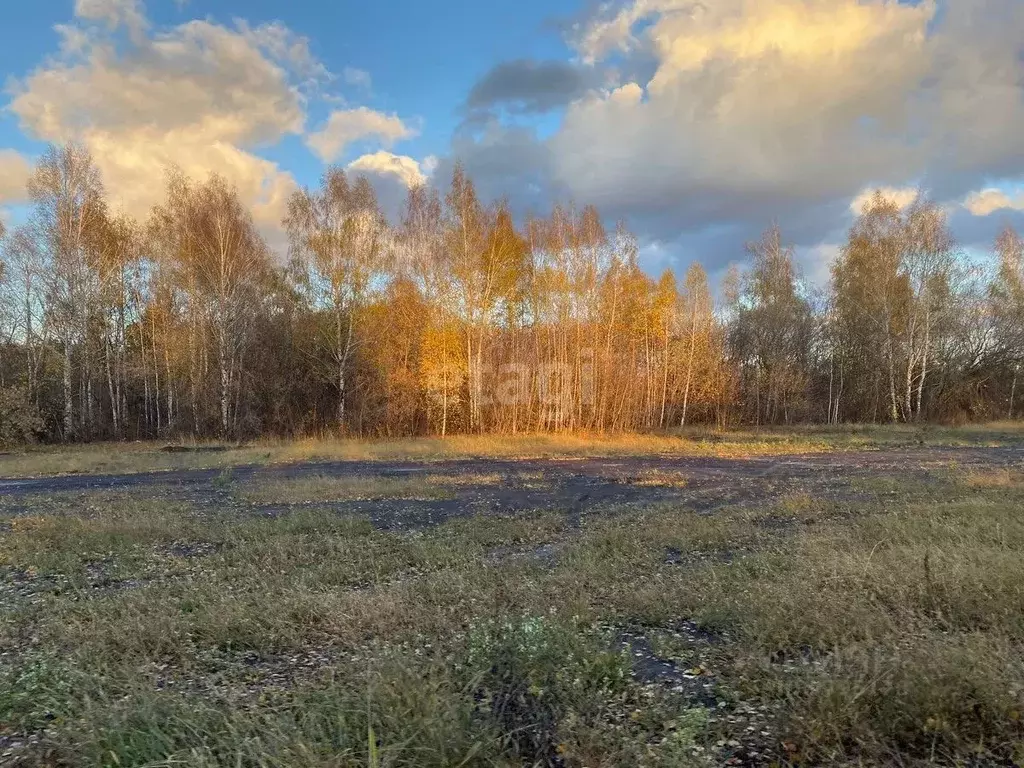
x=443, y=362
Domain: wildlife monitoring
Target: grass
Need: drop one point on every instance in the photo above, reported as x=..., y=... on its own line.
x=321, y=488
x=888, y=630
x=325, y=488
x=741, y=443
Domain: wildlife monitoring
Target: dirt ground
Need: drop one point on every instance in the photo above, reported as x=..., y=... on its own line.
x=577, y=486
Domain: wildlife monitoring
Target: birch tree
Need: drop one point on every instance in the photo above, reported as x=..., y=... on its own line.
x=339, y=245
x=221, y=261
x=68, y=206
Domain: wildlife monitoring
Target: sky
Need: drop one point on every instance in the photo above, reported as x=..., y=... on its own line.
x=697, y=123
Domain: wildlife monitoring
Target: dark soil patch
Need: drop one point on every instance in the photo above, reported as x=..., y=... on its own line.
x=578, y=487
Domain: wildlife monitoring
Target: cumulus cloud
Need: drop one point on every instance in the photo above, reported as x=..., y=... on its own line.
x=199, y=95
x=345, y=126
x=403, y=168
x=753, y=110
x=391, y=176
x=14, y=174
x=987, y=201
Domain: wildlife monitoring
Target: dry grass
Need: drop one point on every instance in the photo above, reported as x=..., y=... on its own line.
x=886, y=631
x=657, y=478
x=416, y=486
x=143, y=457
x=472, y=479
x=326, y=489
x=994, y=478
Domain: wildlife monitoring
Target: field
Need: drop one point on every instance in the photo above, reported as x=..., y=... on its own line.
x=814, y=597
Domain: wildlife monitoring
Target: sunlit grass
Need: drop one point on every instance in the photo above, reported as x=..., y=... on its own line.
x=140, y=457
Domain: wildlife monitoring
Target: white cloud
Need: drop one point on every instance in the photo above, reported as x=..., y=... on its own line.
x=761, y=109
x=345, y=126
x=987, y=201
x=902, y=196
x=199, y=95
x=14, y=173
x=223, y=83
x=382, y=163
x=114, y=13
x=391, y=176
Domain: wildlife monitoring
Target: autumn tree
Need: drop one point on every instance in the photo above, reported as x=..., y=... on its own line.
x=68, y=207
x=891, y=289
x=1007, y=297
x=461, y=318
x=339, y=245
x=485, y=257
x=772, y=331
x=221, y=262
x=696, y=314
x=115, y=255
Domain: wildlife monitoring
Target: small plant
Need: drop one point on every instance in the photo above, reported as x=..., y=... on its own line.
x=224, y=478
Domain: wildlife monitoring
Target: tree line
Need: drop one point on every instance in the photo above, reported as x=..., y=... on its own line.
x=459, y=319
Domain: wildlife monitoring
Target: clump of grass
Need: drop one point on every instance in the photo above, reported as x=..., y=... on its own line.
x=1002, y=478
x=904, y=629
x=529, y=674
x=118, y=530
x=933, y=697
x=464, y=479
x=658, y=478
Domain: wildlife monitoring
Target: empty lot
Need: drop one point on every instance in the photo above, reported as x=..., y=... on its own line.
x=855, y=606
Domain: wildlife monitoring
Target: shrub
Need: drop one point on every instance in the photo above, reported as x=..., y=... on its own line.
x=19, y=418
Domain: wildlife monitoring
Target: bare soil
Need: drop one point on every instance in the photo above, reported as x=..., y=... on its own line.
x=587, y=486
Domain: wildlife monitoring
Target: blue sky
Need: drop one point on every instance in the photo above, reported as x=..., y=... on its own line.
x=699, y=124
x=422, y=58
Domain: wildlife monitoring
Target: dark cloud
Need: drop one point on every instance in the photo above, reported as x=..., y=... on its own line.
x=529, y=86
x=505, y=162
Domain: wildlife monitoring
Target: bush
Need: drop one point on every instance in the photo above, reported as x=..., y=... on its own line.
x=20, y=422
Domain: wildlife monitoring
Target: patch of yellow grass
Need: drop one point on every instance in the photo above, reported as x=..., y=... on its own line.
x=121, y=458
x=995, y=478
x=118, y=458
